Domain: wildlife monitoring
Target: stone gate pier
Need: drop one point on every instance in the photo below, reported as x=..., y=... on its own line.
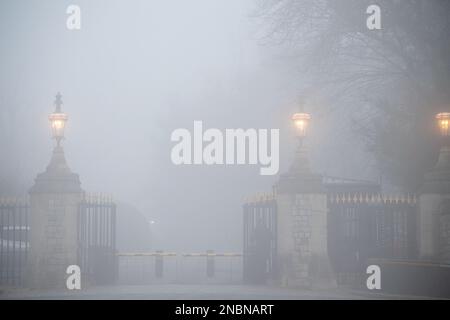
x=433, y=227
x=302, y=227
x=54, y=200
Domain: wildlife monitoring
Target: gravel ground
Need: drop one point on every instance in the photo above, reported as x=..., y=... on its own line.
x=194, y=292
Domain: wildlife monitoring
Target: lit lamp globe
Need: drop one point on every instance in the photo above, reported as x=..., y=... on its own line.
x=443, y=122
x=443, y=119
x=58, y=121
x=301, y=122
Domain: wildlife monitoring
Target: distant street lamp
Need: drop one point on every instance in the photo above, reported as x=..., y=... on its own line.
x=58, y=120
x=443, y=119
x=150, y=229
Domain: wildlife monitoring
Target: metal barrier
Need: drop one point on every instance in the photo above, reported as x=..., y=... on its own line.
x=14, y=245
x=170, y=267
x=97, y=239
x=260, y=239
x=364, y=226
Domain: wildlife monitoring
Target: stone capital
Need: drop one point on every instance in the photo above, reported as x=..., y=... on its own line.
x=57, y=178
x=298, y=183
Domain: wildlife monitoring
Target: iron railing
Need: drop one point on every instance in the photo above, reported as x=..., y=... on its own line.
x=361, y=224
x=260, y=239
x=97, y=239
x=365, y=226
x=14, y=244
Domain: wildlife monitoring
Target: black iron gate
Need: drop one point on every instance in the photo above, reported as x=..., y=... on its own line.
x=96, y=239
x=367, y=226
x=260, y=246
x=362, y=224
x=13, y=241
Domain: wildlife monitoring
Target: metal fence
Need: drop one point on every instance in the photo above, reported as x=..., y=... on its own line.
x=97, y=239
x=362, y=224
x=365, y=226
x=260, y=239
x=14, y=243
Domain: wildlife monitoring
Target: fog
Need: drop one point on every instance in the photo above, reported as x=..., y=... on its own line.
x=136, y=71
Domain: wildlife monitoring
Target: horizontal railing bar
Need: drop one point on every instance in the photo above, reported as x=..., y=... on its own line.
x=172, y=254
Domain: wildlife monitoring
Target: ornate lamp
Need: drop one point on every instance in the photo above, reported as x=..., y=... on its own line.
x=443, y=119
x=301, y=121
x=58, y=121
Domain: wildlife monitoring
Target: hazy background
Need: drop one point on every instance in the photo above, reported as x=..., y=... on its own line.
x=136, y=71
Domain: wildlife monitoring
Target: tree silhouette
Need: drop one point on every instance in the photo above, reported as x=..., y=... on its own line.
x=399, y=75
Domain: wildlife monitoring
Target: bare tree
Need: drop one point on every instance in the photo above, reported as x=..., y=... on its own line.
x=400, y=74
x=8, y=152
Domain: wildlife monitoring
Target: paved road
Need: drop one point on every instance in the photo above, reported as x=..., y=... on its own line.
x=186, y=292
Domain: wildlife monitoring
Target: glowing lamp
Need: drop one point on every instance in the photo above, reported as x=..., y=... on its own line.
x=58, y=121
x=301, y=121
x=443, y=119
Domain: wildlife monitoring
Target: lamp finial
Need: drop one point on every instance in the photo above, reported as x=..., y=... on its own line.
x=58, y=102
x=301, y=104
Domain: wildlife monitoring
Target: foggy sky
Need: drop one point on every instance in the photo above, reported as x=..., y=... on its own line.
x=136, y=71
